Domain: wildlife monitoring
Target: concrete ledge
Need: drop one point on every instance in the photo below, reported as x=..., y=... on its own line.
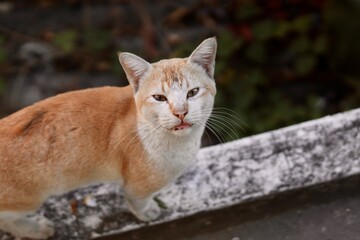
x=224, y=175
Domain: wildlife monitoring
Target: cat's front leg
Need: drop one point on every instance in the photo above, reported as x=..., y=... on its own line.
x=144, y=208
x=20, y=225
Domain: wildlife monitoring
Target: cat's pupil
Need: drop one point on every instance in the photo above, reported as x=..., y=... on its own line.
x=160, y=98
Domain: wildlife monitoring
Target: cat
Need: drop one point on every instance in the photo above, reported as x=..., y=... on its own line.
x=142, y=136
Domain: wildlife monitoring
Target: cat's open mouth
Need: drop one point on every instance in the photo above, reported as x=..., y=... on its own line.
x=181, y=126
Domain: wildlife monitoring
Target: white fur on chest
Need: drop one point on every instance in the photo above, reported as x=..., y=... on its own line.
x=172, y=154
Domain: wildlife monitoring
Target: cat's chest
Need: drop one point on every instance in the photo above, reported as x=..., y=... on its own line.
x=172, y=157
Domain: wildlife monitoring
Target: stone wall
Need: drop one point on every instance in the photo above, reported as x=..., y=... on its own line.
x=223, y=175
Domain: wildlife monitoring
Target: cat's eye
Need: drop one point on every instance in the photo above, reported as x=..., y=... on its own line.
x=192, y=92
x=160, y=98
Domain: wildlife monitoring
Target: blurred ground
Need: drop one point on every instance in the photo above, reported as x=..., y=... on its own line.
x=325, y=212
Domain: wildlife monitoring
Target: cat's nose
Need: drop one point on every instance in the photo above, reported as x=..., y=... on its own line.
x=181, y=116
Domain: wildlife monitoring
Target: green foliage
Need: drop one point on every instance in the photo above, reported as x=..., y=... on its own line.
x=304, y=64
x=250, y=59
x=247, y=11
x=276, y=64
x=2, y=85
x=302, y=24
x=2, y=50
x=96, y=39
x=320, y=45
x=116, y=67
x=354, y=99
x=183, y=50
x=256, y=52
x=342, y=19
x=227, y=44
x=66, y=40
x=300, y=44
x=281, y=29
x=3, y=58
x=263, y=30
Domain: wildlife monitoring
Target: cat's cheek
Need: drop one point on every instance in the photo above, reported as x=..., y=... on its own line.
x=147, y=114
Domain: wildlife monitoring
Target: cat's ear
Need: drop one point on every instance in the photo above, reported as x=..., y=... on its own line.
x=204, y=55
x=135, y=68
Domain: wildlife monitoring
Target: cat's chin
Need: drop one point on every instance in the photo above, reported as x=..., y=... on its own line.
x=181, y=132
x=181, y=129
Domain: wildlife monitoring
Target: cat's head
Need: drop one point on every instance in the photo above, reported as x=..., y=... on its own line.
x=174, y=94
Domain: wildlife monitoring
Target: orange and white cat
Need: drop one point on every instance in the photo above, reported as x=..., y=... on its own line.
x=143, y=136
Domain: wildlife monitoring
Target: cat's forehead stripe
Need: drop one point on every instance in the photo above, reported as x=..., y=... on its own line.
x=172, y=75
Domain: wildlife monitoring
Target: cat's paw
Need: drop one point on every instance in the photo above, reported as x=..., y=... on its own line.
x=44, y=228
x=152, y=212
x=35, y=227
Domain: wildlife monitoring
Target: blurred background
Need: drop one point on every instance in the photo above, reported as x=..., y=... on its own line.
x=278, y=63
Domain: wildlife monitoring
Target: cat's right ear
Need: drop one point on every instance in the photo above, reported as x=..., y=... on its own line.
x=135, y=68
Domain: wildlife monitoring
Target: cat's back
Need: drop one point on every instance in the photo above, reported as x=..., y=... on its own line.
x=68, y=122
x=83, y=107
x=70, y=132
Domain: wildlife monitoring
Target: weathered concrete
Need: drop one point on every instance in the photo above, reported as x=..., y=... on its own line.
x=329, y=211
x=224, y=175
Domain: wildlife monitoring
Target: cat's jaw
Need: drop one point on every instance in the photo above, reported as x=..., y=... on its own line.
x=182, y=126
x=179, y=129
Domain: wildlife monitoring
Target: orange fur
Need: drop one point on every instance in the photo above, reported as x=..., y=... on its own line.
x=106, y=134
x=41, y=138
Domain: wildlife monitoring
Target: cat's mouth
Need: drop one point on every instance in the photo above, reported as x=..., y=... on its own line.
x=182, y=126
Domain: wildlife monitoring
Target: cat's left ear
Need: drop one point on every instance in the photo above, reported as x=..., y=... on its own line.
x=204, y=55
x=135, y=68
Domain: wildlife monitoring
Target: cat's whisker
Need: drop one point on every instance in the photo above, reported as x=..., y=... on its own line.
x=228, y=120
x=218, y=135
x=153, y=136
x=203, y=123
x=217, y=128
x=232, y=119
x=144, y=138
x=118, y=143
x=208, y=136
x=129, y=143
x=135, y=132
x=223, y=127
x=222, y=117
x=230, y=112
x=147, y=144
x=153, y=132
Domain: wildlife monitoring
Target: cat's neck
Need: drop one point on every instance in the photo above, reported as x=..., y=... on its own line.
x=168, y=150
